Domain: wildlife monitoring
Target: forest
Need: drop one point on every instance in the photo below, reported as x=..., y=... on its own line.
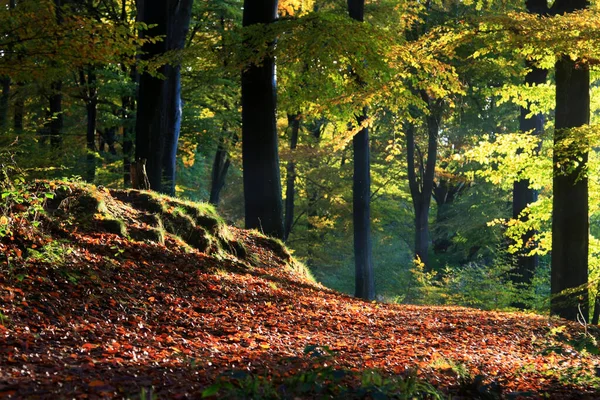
x=406, y=152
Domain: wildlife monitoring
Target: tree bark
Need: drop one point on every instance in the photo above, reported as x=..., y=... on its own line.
x=421, y=184
x=91, y=100
x=570, y=218
x=361, y=194
x=220, y=167
x=260, y=154
x=361, y=209
x=19, y=110
x=55, y=115
x=4, y=103
x=523, y=195
x=290, y=179
x=180, y=13
x=159, y=101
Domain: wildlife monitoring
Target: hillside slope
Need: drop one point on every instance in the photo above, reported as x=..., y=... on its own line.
x=126, y=294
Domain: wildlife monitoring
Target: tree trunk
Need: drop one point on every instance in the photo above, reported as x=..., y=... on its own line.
x=55, y=124
x=220, y=167
x=180, y=12
x=19, y=110
x=361, y=194
x=260, y=154
x=92, y=118
x=421, y=184
x=4, y=103
x=570, y=221
x=290, y=178
x=127, y=112
x=361, y=209
x=523, y=195
x=159, y=101
x=149, y=138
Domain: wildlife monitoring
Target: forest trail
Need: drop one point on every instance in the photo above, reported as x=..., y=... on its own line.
x=124, y=294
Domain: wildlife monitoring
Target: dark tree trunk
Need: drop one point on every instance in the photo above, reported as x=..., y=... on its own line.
x=570, y=222
x=149, y=138
x=4, y=103
x=55, y=115
x=421, y=176
x=361, y=209
x=260, y=153
x=290, y=179
x=444, y=193
x=523, y=195
x=127, y=113
x=159, y=101
x=180, y=12
x=220, y=167
x=361, y=195
x=91, y=99
x=312, y=190
x=55, y=123
x=570, y=219
x=19, y=110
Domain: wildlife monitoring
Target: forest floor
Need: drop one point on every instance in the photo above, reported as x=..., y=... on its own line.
x=87, y=311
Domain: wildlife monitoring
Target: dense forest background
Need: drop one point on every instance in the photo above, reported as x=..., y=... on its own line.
x=469, y=120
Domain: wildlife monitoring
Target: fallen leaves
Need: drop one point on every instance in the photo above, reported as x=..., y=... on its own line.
x=110, y=324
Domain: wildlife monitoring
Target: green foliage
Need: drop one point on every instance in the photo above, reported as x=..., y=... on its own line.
x=21, y=204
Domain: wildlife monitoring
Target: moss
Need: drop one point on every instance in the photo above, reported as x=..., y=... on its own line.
x=148, y=234
x=238, y=249
x=145, y=201
x=113, y=226
x=87, y=204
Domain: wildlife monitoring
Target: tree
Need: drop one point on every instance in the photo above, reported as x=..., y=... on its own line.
x=159, y=100
x=523, y=194
x=570, y=219
x=421, y=174
x=290, y=177
x=361, y=193
x=260, y=155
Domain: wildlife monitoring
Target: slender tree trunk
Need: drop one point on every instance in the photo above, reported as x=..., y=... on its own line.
x=91, y=95
x=361, y=206
x=19, y=110
x=172, y=129
x=127, y=113
x=361, y=195
x=55, y=115
x=180, y=13
x=260, y=153
x=421, y=185
x=4, y=103
x=220, y=167
x=523, y=195
x=290, y=179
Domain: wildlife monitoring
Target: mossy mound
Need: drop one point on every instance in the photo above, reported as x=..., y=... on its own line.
x=147, y=216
